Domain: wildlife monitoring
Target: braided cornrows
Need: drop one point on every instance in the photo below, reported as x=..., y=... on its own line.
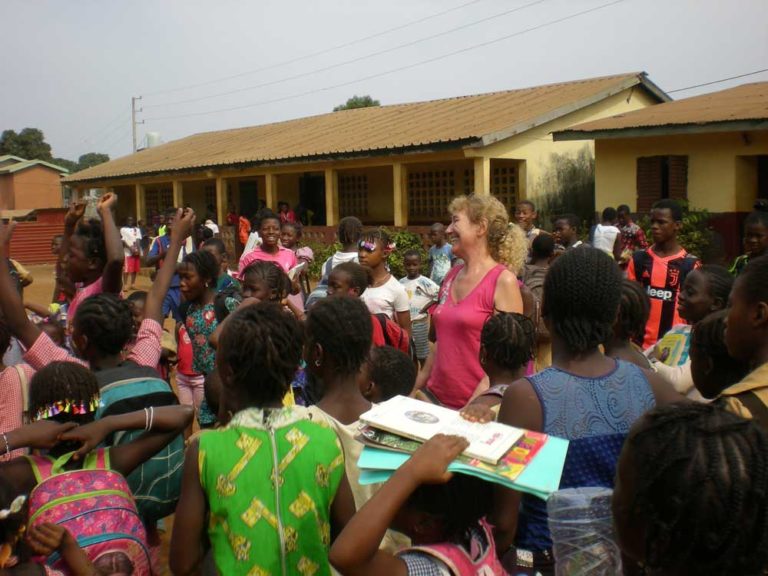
x=342, y=326
x=272, y=275
x=508, y=339
x=701, y=491
x=634, y=309
x=708, y=341
x=61, y=383
x=261, y=345
x=107, y=322
x=720, y=282
x=349, y=230
x=582, y=291
x=205, y=264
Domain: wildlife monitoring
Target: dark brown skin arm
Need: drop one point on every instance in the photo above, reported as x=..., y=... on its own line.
x=520, y=407
x=112, y=276
x=189, y=524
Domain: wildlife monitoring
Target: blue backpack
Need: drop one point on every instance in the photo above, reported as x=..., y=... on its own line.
x=156, y=484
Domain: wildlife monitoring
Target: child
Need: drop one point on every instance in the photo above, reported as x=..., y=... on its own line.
x=534, y=273
x=385, y=294
x=567, y=231
x=286, y=214
x=629, y=327
x=441, y=512
x=755, y=237
x=348, y=233
x=138, y=303
x=632, y=236
x=440, y=254
x=13, y=381
x=390, y=372
x=691, y=493
x=63, y=289
x=747, y=340
x=712, y=368
x=130, y=235
x=290, y=237
x=63, y=401
x=94, y=253
x=421, y=293
x=506, y=347
x=270, y=249
x=704, y=291
x=272, y=480
x=216, y=247
x=662, y=269
x=606, y=236
x=525, y=214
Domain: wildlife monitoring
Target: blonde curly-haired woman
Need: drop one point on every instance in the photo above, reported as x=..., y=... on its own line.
x=481, y=235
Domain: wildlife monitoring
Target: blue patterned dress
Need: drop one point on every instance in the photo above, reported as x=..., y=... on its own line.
x=595, y=414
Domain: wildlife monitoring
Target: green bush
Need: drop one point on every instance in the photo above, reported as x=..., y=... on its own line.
x=404, y=241
x=695, y=236
x=321, y=252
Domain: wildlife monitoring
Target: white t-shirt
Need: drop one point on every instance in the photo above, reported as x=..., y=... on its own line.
x=421, y=291
x=605, y=237
x=388, y=298
x=131, y=237
x=337, y=258
x=212, y=226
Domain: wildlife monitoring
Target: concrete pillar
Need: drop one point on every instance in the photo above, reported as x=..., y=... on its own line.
x=400, y=193
x=522, y=181
x=221, y=200
x=141, y=202
x=482, y=176
x=178, y=194
x=270, y=181
x=331, y=197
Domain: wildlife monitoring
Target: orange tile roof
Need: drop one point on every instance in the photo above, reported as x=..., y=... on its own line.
x=481, y=119
x=745, y=103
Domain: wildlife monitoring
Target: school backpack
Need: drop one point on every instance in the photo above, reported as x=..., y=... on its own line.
x=95, y=505
x=156, y=484
x=394, y=334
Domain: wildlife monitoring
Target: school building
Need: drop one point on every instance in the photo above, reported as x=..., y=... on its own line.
x=398, y=165
x=711, y=150
x=29, y=184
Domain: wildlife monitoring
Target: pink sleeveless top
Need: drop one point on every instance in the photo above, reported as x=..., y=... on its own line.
x=457, y=371
x=459, y=562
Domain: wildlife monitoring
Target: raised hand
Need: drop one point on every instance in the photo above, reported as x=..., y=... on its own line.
x=429, y=464
x=183, y=224
x=107, y=202
x=76, y=211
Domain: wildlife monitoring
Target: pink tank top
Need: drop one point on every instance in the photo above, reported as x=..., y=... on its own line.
x=459, y=562
x=457, y=371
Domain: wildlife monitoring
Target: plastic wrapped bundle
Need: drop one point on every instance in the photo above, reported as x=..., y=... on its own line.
x=582, y=532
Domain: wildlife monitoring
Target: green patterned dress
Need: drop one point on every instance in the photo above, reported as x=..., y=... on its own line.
x=270, y=477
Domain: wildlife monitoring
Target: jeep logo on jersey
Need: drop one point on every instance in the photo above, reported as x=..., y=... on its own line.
x=660, y=294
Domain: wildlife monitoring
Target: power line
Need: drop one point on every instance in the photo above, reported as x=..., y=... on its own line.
x=394, y=70
x=352, y=61
x=718, y=81
x=315, y=54
x=102, y=129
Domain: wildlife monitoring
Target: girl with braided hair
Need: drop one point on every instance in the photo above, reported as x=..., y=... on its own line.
x=272, y=479
x=704, y=291
x=586, y=397
x=629, y=328
x=713, y=369
x=493, y=251
x=691, y=495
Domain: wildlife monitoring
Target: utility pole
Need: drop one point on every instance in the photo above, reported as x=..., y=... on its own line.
x=134, y=123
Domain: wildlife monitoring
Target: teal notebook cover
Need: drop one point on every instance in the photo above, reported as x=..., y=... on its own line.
x=540, y=478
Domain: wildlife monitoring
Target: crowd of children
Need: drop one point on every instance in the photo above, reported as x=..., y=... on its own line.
x=504, y=320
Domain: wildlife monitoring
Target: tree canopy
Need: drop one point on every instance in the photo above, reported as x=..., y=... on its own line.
x=30, y=144
x=357, y=102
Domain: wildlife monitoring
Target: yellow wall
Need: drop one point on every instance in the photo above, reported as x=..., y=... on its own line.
x=721, y=174
x=535, y=146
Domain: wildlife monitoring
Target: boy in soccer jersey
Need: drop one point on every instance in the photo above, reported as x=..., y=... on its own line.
x=662, y=269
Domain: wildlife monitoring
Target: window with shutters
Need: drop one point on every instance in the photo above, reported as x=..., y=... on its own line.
x=429, y=193
x=504, y=184
x=210, y=196
x=158, y=200
x=353, y=195
x=660, y=177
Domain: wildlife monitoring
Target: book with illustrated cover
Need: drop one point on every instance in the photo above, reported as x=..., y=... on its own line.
x=420, y=421
x=508, y=469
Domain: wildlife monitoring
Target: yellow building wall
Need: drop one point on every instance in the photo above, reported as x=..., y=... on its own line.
x=722, y=175
x=536, y=146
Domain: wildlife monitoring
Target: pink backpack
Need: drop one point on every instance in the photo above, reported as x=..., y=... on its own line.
x=96, y=506
x=459, y=561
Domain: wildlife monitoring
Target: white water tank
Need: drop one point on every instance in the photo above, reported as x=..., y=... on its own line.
x=153, y=139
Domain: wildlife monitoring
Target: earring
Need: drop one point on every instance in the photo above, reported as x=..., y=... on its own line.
x=318, y=363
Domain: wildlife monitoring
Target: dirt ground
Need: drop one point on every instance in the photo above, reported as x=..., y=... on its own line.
x=40, y=292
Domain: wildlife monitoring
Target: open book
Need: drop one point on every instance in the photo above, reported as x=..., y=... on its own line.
x=421, y=420
x=294, y=272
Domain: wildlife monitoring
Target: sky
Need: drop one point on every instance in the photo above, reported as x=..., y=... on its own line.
x=71, y=67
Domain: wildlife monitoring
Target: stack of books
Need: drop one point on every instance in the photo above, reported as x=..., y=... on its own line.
x=519, y=459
